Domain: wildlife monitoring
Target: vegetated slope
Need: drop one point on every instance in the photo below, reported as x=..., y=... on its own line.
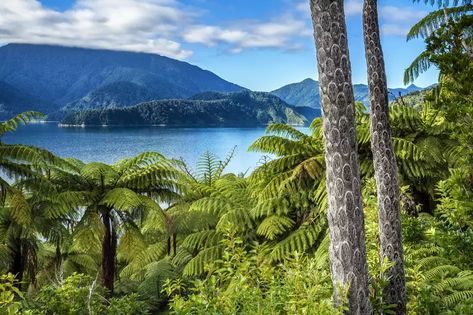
x=13, y=101
x=60, y=75
x=209, y=109
x=116, y=94
x=306, y=93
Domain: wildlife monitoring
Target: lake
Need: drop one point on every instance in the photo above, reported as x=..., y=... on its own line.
x=110, y=144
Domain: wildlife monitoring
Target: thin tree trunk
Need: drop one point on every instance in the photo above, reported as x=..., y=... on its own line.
x=109, y=244
x=385, y=166
x=345, y=213
x=174, y=244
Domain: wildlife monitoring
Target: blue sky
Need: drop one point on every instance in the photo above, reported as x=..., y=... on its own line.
x=259, y=44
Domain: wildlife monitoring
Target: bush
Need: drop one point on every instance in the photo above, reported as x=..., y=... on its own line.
x=79, y=294
x=244, y=283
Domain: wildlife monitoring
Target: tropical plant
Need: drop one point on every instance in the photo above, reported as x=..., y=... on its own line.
x=112, y=200
x=243, y=282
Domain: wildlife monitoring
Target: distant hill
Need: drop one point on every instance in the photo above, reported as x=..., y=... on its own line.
x=306, y=93
x=208, y=109
x=60, y=77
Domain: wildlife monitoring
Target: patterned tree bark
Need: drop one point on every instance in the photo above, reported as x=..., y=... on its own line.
x=345, y=214
x=384, y=160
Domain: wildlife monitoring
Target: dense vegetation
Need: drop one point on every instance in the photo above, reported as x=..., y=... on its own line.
x=150, y=234
x=207, y=109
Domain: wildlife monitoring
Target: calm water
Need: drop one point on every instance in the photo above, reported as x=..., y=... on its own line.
x=110, y=144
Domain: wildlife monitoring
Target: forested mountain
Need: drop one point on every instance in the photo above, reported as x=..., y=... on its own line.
x=208, y=109
x=13, y=101
x=306, y=93
x=60, y=76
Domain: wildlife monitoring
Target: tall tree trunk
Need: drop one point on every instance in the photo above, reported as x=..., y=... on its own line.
x=109, y=249
x=345, y=213
x=385, y=166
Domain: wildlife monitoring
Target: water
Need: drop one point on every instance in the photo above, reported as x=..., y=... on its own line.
x=110, y=144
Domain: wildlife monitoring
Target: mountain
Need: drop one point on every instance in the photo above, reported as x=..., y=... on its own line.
x=68, y=77
x=116, y=94
x=13, y=101
x=306, y=93
x=244, y=108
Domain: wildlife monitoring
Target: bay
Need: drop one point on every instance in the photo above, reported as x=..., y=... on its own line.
x=110, y=144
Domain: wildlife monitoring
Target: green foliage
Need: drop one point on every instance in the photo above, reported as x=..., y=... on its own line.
x=243, y=282
x=80, y=294
x=9, y=295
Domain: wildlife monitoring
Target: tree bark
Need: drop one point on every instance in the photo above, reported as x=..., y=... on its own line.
x=345, y=213
x=109, y=249
x=384, y=159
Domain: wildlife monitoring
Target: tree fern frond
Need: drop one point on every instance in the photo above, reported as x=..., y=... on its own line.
x=437, y=271
x=273, y=226
x=420, y=65
x=280, y=146
x=300, y=240
x=435, y=19
x=286, y=131
x=196, y=266
x=202, y=239
x=458, y=297
x=22, y=118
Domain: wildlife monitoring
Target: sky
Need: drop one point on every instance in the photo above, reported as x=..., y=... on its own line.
x=258, y=44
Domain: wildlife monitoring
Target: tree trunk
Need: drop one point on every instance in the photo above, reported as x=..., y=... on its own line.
x=18, y=265
x=109, y=249
x=345, y=213
x=174, y=244
x=384, y=159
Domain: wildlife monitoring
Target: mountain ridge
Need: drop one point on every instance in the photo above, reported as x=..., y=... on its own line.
x=60, y=75
x=244, y=108
x=306, y=93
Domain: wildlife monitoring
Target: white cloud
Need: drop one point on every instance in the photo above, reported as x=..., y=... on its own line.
x=353, y=7
x=136, y=25
x=392, y=13
x=394, y=30
x=397, y=21
x=155, y=26
x=165, y=26
x=281, y=33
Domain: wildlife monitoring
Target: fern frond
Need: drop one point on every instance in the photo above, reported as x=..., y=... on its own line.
x=22, y=118
x=420, y=65
x=196, y=266
x=273, y=226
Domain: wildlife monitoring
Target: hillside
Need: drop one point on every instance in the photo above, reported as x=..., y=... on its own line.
x=13, y=101
x=306, y=93
x=208, y=109
x=61, y=76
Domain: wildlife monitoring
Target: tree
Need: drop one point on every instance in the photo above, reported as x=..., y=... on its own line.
x=113, y=199
x=20, y=221
x=384, y=161
x=345, y=212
